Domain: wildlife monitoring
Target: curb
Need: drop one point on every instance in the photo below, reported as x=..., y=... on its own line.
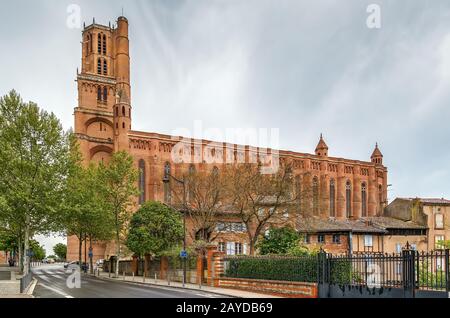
x=167, y=286
x=31, y=287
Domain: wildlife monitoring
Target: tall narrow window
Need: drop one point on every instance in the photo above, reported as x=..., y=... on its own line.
x=332, y=198
x=117, y=110
x=141, y=181
x=99, y=66
x=348, y=199
x=105, y=94
x=364, y=200
x=380, y=199
x=104, y=44
x=298, y=191
x=123, y=110
x=167, y=194
x=99, y=93
x=315, y=196
x=99, y=44
x=105, y=67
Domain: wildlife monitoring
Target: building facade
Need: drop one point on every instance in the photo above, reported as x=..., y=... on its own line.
x=342, y=189
x=434, y=214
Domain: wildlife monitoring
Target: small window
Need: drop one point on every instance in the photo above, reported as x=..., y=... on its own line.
x=105, y=67
x=99, y=66
x=438, y=241
x=336, y=239
x=368, y=241
x=123, y=125
x=321, y=238
x=99, y=44
x=104, y=44
x=99, y=93
x=117, y=110
x=238, y=248
x=123, y=110
x=439, y=221
x=307, y=238
x=222, y=246
x=105, y=94
x=398, y=247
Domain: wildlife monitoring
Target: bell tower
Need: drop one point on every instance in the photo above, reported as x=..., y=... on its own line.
x=103, y=114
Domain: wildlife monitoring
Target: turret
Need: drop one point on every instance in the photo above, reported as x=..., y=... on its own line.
x=377, y=156
x=322, y=148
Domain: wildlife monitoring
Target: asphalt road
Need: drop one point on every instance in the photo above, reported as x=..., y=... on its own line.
x=52, y=283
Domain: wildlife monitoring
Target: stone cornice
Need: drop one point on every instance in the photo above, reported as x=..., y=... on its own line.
x=93, y=112
x=96, y=78
x=93, y=139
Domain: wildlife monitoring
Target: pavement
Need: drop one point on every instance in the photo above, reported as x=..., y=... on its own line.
x=222, y=292
x=52, y=282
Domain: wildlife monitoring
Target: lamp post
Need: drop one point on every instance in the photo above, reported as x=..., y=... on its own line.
x=166, y=180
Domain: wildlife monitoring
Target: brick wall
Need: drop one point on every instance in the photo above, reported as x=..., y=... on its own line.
x=276, y=288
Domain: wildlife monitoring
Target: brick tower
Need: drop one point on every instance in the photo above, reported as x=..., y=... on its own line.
x=103, y=114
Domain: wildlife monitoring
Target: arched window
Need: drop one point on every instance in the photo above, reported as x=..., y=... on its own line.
x=123, y=110
x=105, y=67
x=99, y=66
x=380, y=199
x=141, y=181
x=315, y=196
x=104, y=44
x=99, y=44
x=99, y=93
x=332, y=198
x=105, y=94
x=117, y=110
x=167, y=194
x=348, y=199
x=363, y=199
x=123, y=125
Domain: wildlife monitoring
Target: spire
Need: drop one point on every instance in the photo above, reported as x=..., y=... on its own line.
x=322, y=148
x=377, y=156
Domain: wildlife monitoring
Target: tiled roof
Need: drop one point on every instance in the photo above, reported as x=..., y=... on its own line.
x=363, y=225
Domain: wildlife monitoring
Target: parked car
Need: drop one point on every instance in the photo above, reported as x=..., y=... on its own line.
x=99, y=263
x=84, y=266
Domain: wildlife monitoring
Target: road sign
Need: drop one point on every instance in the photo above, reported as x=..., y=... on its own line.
x=183, y=254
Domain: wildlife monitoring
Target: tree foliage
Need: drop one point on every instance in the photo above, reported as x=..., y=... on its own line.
x=279, y=241
x=60, y=250
x=118, y=192
x=34, y=161
x=154, y=228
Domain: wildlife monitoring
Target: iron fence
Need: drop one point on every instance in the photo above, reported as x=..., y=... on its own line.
x=408, y=270
x=25, y=281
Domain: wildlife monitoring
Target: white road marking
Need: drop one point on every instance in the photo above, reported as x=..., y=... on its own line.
x=56, y=291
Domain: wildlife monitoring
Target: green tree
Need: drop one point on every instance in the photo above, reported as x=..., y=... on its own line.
x=278, y=241
x=60, y=250
x=118, y=192
x=154, y=228
x=37, y=249
x=33, y=157
x=84, y=216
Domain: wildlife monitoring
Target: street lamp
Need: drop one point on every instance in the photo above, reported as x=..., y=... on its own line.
x=166, y=180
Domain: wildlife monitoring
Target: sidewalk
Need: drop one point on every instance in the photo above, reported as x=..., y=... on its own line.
x=163, y=283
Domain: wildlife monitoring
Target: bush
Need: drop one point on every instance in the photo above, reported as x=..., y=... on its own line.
x=301, y=269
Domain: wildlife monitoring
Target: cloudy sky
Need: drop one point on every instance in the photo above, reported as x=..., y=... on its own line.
x=305, y=67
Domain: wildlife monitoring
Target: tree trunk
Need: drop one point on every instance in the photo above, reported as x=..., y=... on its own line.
x=117, y=254
x=26, y=263
x=80, y=249
x=20, y=253
x=91, y=265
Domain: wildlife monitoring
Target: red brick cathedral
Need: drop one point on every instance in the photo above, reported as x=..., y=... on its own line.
x=347, y=189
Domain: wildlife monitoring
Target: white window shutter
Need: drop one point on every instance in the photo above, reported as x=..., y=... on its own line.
x=244, y=251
